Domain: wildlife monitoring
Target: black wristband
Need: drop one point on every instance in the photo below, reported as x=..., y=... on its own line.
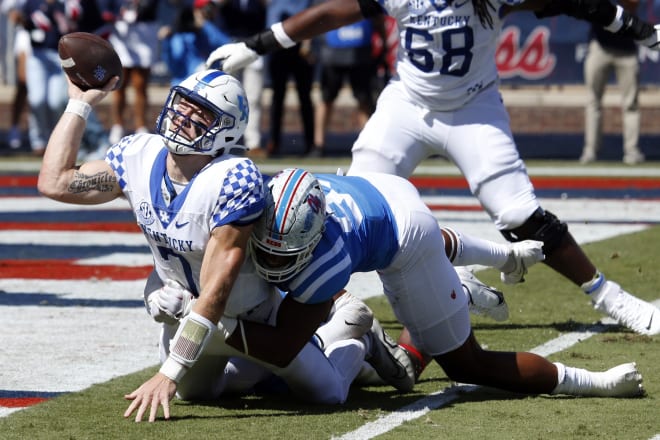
x=263, y=42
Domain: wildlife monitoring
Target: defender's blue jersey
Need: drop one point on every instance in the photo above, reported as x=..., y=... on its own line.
x=360, y=236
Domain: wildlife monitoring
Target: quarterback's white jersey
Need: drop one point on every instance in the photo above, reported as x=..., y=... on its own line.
x=229, y=190
x=445, y=54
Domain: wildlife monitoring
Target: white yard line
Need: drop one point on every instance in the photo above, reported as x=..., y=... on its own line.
x=121, y=339
x=94, y=326
x=441, y=398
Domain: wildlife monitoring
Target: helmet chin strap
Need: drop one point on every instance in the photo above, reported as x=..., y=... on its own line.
x=183, y=150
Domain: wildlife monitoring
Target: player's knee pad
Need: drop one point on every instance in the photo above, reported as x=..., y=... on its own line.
x=542, y=226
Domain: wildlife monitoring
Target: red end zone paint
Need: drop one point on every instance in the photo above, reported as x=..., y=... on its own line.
x=459, y=208
x=458, y=182
x=67, y=270
x=549, y=182
x=20, y=402
x=18, y=181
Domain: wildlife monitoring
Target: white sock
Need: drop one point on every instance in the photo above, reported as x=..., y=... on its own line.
x=467, y=250
x=618, y=381
x=596, y=287
x=573, y=381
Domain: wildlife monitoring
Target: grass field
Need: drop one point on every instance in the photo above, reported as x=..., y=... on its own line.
x=542, y=309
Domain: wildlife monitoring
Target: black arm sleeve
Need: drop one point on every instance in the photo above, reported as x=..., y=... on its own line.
x=263, y=42
x=599, y=12
x=370, y=8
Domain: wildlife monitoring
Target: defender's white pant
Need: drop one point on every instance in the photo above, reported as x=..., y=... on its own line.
x=476, y=137
x=421, y=284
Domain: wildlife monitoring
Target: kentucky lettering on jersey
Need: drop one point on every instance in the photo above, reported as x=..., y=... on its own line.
x=178, y=226
x=446, y=54
x=161, y=237
x=434, y=21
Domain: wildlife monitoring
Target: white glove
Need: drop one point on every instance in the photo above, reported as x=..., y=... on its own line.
x=170, y=303
x=233, y=57
x=653, y=42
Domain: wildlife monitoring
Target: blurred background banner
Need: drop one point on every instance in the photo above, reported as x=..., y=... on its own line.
x=552, y=50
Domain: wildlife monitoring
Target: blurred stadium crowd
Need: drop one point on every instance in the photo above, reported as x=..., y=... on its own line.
x=544, y=56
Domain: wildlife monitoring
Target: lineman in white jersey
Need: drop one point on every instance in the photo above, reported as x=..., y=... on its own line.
x=444, y=101
x=196, y=205
x=315, y=233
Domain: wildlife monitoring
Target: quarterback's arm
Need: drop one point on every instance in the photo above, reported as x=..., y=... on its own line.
x=611, y=17
x=223, y=257
x=60, y=178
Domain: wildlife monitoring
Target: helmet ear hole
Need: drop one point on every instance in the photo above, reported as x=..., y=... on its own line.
x=291, y=226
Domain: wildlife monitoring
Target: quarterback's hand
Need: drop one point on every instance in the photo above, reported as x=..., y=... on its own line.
x=233, y=57
x=91, y=96
x=157, y=391
x=169, y=303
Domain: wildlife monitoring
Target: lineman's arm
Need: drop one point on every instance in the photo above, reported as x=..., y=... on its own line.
x=60, y=179
x=321, y=18
x=305, y=25
x=278, y=345
x=611, y=17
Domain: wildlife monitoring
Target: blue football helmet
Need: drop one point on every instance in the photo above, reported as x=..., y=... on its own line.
x=290, y=227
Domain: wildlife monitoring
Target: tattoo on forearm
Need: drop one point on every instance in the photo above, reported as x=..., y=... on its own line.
x=103, y=182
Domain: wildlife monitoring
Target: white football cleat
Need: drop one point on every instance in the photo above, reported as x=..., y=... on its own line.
x=621, y=381
x=482, y=299
x=389, y=360
x=523, y=254
x=355, y=314
x=629, y=311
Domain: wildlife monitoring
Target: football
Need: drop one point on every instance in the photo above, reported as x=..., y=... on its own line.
x=88, y=60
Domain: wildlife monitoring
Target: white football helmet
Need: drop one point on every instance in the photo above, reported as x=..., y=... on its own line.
x=216, y=92
x=291, y=225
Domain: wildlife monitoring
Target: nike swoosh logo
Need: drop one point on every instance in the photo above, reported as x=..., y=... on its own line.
x=458, y=5
x=180, y=225
x=351, y=323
